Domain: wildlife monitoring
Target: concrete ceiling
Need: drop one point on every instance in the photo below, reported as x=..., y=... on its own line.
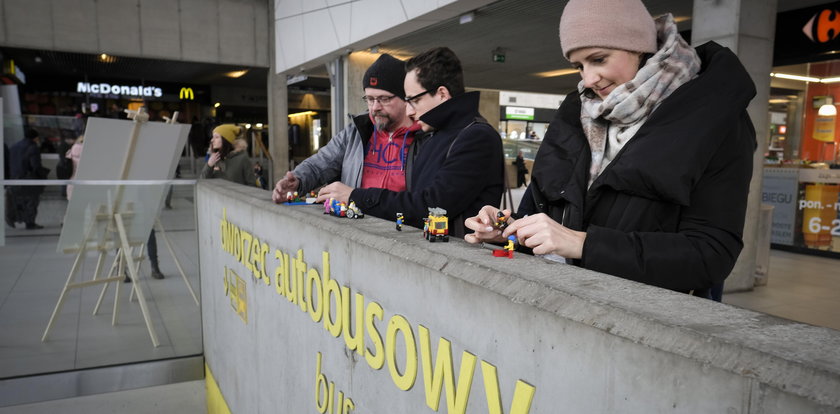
x=527, y=32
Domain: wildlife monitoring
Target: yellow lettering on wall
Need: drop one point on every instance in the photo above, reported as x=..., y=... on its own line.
x=456, y=402
x=374, y=358
x=523, y=394
x=320, y=379
x=403, y=381
x=264, y=249
x=300, y=271
x=223, y=230
x=331, y=289
x=314, y=279
x=348, y=406
x=237, y=246
x=281, y=273
x=245, y=248
x=353, y=341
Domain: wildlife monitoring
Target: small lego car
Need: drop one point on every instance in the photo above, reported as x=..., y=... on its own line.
x=436, y=227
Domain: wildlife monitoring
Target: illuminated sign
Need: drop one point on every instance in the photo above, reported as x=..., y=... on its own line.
x=186, y=93
x=107, y=88
x=516, y=112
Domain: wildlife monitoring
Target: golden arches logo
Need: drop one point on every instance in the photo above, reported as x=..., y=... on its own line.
x=186, y=93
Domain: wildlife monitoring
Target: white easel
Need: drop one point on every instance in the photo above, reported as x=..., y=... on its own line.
x=110, y=221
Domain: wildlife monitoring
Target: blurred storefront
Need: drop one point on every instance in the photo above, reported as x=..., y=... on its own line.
x=802, y=175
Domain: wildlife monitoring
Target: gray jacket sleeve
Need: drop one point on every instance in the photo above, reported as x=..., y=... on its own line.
x=325, y=166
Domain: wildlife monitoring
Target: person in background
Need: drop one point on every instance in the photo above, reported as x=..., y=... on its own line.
x=456, y=165
x=644, y=173
x=74, y=154
x=372, y=150
x=25, y=157
x=521, y=169
x=226, y=163
x=260, y=174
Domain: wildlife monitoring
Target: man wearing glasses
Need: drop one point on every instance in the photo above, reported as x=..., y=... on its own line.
x=371, y=151
x=457, y=163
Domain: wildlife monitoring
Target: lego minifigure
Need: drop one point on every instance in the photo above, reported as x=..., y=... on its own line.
x=400, y=219
x=506, y=251
x=501, y=220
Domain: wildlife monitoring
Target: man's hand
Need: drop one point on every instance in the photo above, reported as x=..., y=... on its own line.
x=288, y=184
x=336, y=190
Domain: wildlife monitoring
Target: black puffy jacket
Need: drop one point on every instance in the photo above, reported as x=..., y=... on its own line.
x=669, y=209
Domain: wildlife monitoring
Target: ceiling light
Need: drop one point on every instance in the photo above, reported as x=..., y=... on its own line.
x=794, y=77
x=259, y=125
x=106, y=58
x=217, y=104
x=554, y=73
x=236, y=73
x=466, y=18
x=830, y=80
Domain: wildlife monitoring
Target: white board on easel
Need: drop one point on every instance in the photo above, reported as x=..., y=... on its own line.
x=106, y=150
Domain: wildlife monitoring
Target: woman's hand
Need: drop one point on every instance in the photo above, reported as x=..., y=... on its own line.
x=214, y=159
x=544, y=235
x=482, y=225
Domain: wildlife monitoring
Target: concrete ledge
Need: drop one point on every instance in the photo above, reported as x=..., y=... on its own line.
x=771, y=355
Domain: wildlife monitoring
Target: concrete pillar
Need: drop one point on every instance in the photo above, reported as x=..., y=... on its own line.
x=488, y=105
x=278, y=112
x=748, y=28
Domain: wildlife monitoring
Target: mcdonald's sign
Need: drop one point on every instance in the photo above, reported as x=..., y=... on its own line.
x=186, y=93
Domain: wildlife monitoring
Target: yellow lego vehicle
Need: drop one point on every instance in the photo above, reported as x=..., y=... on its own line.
x=436, y=227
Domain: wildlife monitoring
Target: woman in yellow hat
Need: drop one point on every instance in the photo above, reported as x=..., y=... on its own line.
x=224, y=162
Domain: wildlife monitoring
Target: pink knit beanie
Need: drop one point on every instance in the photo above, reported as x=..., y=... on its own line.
x=613, y=24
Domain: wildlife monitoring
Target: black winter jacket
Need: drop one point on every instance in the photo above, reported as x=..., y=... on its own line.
x=669, y=209
x=459, y=175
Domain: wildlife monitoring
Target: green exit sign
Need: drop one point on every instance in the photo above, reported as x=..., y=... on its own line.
x=498, y=57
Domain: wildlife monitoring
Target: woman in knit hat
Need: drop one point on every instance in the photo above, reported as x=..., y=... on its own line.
x=226, y=163
x=644, y=173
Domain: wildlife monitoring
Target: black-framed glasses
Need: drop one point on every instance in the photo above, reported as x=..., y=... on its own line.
x=384, y=100
x=411, y=100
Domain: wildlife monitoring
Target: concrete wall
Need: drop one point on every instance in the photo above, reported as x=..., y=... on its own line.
x=309, y=33
x=582, y=342
x=208, y=31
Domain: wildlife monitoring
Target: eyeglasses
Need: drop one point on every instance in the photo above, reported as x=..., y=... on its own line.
x=412, y=100
x=384, y=100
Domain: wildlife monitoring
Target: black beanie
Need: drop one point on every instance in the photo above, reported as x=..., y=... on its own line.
x=388, y=74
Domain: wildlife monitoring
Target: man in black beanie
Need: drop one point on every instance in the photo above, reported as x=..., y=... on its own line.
x=370, y=152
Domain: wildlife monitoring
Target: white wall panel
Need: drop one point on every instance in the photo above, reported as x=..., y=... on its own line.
x=326, y=42
x=160, y=28
x=74, y=23
x=279, y=48
x=119, y=27
x=287, y=8
x=290, y=32
x=387, y=13
x=314, y=5
x=340, y=16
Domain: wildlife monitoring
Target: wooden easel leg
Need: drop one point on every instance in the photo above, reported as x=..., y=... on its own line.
x=134, y=279
x=76, y=263
x=115, y=311
x=177, y=262
x=105, y=286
